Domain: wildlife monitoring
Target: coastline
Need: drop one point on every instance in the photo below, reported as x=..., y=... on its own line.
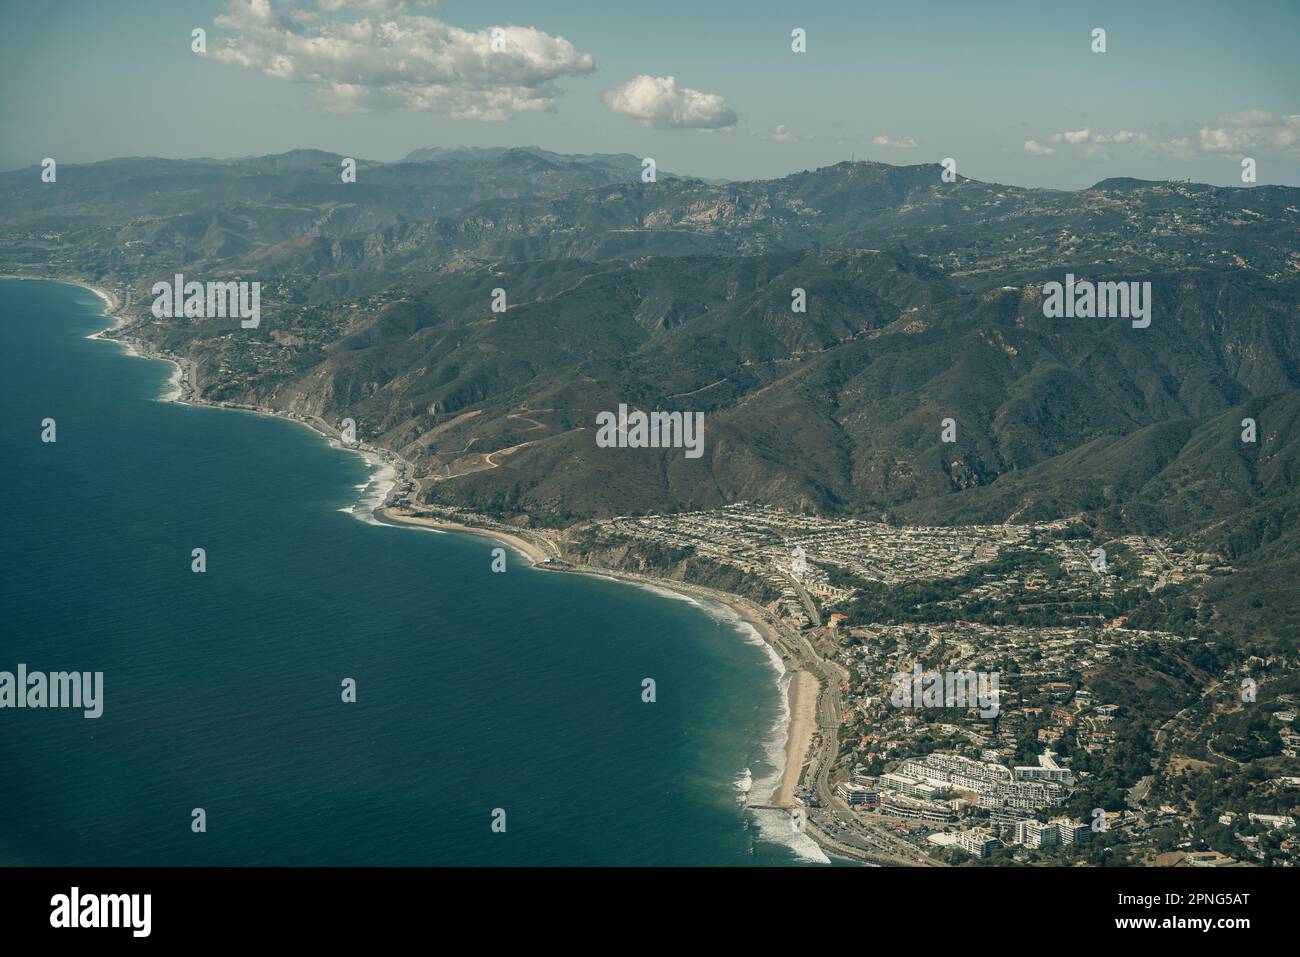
x=184, y=391
x=535, y=553
x=802, y=691
x=111, y=303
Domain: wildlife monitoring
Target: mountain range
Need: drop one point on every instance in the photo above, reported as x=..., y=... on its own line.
x=924, y=303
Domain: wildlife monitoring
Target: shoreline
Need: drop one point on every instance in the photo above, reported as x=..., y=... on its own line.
x=110, y=298
x=111, y=302
x=802, y=692
x=184, y=392
x=535, y=553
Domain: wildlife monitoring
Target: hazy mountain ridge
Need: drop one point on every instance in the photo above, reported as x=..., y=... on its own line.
x=292, y=214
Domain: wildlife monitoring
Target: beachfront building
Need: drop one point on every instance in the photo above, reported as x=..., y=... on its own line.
x=978, y=842
x=909, y=785
x=957, y=772
x=896, y=805
x=857, y=794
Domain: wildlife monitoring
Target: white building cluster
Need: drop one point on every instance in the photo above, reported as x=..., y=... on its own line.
x=938, y=785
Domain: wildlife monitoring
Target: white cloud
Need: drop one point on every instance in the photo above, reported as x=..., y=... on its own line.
x=1231, y=133
x=1253, y=129
x=1224, y=140
x=1088, y=137
x=387, y=59
x=897, y=143
x=659, y=102
x=1073, y=137
x=1123, y=136
x=782, y=135
x=1245, y=118
x=367, y=6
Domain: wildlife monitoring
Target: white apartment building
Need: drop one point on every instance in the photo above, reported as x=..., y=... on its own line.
x=978, y=842
x=1037, y=834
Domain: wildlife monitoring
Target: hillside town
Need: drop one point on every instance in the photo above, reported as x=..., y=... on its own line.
x=1022, y=768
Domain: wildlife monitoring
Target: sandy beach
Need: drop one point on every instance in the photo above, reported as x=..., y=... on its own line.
x=536, y=554
x=803, y=691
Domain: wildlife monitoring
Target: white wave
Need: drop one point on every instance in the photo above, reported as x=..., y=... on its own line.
x=773, y=744
x=776, y=827
x=418, y=528
x=743, y=784
x=668, y=593
x=126, y=346
x=753, y=637
x=374, y=492
x=773, y=825
x=173, y=390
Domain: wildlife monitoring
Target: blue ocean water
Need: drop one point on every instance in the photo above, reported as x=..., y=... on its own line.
x=222, y=690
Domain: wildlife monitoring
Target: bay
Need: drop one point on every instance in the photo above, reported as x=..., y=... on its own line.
x=475, y=690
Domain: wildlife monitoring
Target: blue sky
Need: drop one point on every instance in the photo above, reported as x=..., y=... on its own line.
x=1185, y=89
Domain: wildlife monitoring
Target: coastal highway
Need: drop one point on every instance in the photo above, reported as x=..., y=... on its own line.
x=809, y=606
x=834, y=825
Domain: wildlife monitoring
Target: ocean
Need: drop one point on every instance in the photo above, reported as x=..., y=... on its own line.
x=222, y=690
